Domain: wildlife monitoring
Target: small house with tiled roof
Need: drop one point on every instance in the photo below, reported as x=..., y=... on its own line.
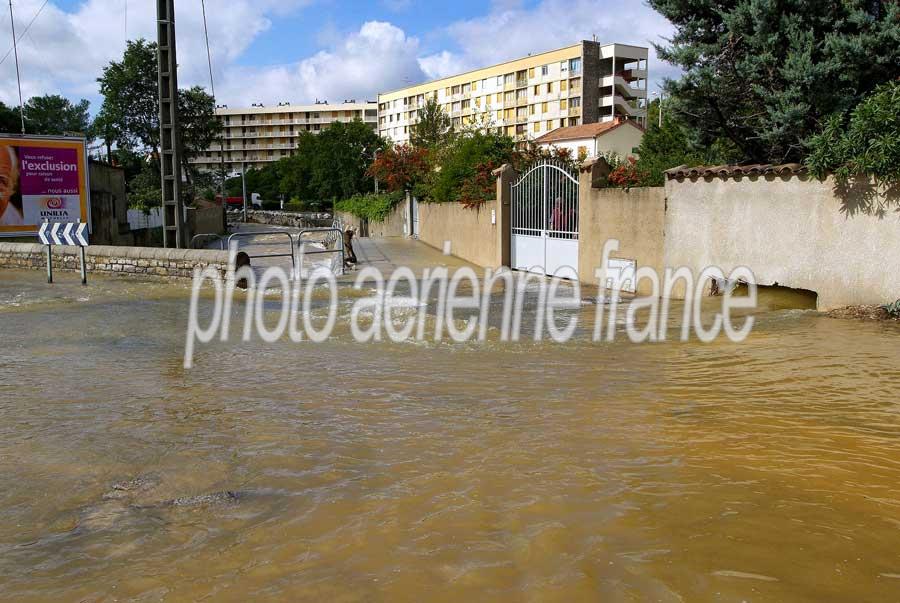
x=589, y=141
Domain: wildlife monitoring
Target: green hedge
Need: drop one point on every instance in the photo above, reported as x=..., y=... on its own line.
x=373, y=207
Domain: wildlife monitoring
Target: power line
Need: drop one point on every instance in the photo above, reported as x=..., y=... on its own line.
x=12, y=25
x=212, y=85
x=25, y=31
x=212, y=89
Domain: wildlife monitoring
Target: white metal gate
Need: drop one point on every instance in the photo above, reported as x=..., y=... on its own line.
x=544, y=219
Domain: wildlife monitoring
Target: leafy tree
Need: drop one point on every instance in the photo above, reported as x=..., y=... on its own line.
x=130, y=97
x=338, y=158
x=401, y=168
x=866, y=145
x=763, y=73
x=9, y=119
x=433, y=129
x=129, y=117
x=664, y=148
x=144, y=188
x=465, y=165
x=53, y=114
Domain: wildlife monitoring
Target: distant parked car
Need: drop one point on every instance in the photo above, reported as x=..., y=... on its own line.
x=238, y=202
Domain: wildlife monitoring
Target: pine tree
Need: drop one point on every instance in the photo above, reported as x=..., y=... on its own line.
x=765, y=74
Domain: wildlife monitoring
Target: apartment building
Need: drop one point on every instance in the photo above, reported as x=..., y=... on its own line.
x=528, y=97
x=257, y=135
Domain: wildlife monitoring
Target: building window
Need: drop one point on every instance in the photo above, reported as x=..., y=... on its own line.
x=563, y=66
x=466, y=88
x=575, y=102
x=532, y=109
x=574, y=121
x=563, y=85
x=549, y=87
x=474, y=86
x=575, y=65
x=537, y=89
x=544, y=107
x=549, y=124
x=563, y=104
x=545, y=69
x=537, y=126
x=531, y=72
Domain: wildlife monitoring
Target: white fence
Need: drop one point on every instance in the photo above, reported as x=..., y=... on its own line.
x=138, y=219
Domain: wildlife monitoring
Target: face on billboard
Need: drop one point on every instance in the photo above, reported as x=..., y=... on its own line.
x=41, y=180
x=8, y=178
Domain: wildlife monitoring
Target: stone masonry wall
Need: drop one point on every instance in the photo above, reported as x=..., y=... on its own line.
x=145, y=262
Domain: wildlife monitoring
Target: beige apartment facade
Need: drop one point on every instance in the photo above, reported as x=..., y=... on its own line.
x=528, y=97
x=254, y=136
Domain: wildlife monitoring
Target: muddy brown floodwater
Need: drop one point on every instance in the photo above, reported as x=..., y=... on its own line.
x=767, y=470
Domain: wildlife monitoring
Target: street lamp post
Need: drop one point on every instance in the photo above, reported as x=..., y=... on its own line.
x=661, y=96
x=374, y=159
x=244, y=188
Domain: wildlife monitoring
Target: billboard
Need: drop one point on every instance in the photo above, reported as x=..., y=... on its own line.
x=42, y=179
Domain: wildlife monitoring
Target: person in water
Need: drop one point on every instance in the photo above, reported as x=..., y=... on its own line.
x=349, y=255
x=10, y=199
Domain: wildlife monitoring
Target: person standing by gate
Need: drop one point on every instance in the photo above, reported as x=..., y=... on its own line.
x=561, y=221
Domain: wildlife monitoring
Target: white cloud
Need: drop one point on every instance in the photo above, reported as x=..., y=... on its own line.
x=511, y=30
x=378, y=57
x=442, y=64
x=64, y=52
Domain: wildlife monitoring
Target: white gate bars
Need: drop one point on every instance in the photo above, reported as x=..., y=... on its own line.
x=544, y=220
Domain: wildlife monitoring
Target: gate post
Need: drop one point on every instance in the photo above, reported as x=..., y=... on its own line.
x=505, y=175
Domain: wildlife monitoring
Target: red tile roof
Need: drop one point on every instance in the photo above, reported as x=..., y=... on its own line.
x=585, y=131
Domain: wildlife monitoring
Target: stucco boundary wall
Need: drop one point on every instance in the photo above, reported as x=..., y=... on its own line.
x=395, y=224
x=794, y=231
x=144, y=262
x=466, y=233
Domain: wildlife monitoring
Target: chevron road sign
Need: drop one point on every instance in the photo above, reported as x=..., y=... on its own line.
x=69, y=233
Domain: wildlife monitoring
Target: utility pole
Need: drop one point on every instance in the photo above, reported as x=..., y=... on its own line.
x=169, y=133
x=12, y=25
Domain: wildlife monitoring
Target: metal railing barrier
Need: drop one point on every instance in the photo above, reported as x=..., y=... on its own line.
x=240, y=235
x=211, y=237
x=333, y=235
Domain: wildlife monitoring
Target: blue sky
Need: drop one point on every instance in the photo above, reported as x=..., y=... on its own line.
x=301, y=50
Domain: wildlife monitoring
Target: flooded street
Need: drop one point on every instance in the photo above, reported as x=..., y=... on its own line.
x=767, y=470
